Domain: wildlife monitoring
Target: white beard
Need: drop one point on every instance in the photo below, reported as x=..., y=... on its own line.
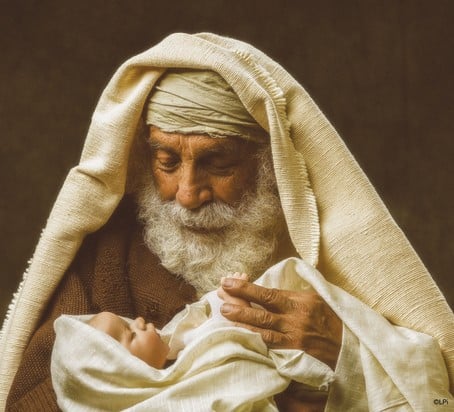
x=217, y=239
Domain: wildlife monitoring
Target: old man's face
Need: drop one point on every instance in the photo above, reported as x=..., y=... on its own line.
x=196, y=170
x=210, y=206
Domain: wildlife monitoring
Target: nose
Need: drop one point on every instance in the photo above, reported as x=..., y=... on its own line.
x=139, y=323
x=193, y=189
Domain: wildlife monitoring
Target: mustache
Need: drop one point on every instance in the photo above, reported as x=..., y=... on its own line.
x=212, y=216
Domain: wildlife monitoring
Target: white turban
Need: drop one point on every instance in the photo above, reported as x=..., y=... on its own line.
x=200, y=102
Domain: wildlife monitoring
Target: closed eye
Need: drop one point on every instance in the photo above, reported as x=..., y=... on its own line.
x=168, y=164
x=166, y=161
x=216, y=164
x=221, y=168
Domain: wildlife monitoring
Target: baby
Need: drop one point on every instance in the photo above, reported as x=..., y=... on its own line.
x=105, y=362
x=142, y=339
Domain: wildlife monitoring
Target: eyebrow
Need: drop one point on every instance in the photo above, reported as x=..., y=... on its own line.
x=220, y=150
x=223, y=149
x=155, y=146
x=126, y=326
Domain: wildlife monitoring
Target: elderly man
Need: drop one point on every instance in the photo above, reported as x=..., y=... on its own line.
x=227, y=165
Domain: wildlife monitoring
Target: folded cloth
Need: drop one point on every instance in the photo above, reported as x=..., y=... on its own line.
x=222, y=367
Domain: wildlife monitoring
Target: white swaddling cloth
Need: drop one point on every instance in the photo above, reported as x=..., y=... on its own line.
x=221, y=367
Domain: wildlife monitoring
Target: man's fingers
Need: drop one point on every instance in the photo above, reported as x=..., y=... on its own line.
x=299, y=320
x=271, y=299
x=231, y=299
x=251, y=316
x=273, y=339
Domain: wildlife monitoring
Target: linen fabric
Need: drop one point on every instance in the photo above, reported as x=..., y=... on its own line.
x=334, y=216
x=230, y=368
x=221, y=368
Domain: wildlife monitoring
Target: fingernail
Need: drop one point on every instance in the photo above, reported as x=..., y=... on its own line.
x=226, y=308
x=227, y=282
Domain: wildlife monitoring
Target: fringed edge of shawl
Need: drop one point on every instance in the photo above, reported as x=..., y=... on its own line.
x=307, y=245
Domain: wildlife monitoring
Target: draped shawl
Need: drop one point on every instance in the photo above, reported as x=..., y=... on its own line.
x=335, y=219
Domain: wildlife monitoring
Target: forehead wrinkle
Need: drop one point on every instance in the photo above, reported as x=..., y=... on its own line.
x=223, y=149
x=204, y=144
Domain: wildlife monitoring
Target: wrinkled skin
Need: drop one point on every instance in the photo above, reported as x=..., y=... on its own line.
x=287, y=319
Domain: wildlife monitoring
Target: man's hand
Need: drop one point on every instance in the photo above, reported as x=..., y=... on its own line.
x=287, y=320
x=233, y=299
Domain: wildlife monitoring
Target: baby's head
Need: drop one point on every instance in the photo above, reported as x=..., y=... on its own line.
x=103, y=354
x=140, y=338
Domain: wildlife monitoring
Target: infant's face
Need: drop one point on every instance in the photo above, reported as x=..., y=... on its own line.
x=140, y=338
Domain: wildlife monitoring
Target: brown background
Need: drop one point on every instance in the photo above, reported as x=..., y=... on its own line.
x=382, y=71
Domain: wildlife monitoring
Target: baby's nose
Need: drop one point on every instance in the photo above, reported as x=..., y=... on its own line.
x=139, y=322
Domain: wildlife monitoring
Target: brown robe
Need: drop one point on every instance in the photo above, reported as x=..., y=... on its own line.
x=113, y=271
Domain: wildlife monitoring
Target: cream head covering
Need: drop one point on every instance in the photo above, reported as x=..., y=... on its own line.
x=349, y=234
x=200, y=102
